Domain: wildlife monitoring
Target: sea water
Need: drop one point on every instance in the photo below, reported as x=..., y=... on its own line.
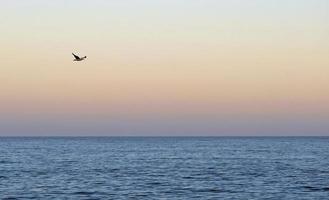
x=164, y=168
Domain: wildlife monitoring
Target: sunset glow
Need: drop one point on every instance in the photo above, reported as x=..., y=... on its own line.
x=164, y=67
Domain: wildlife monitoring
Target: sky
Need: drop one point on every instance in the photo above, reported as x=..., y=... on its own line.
x=164, y=68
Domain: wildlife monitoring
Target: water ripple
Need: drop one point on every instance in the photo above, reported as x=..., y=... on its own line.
x=164, y=168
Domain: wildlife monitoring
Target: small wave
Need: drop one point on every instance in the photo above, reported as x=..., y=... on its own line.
x=155, y=183
x=310, y=188
x=187, y=177
x=10, y=198
x=6, y=162
x=209, y=190
x=83, y=193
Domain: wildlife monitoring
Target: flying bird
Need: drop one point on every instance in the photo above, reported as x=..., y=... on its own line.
x=77, y=58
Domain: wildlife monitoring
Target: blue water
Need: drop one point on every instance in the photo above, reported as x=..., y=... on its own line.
x=164, y=168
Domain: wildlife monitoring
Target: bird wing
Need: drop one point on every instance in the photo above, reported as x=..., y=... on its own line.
x=75, y=56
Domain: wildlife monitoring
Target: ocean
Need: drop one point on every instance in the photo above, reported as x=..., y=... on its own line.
x=164, y=168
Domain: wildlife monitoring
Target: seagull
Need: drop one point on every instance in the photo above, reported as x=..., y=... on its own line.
x=77, y=58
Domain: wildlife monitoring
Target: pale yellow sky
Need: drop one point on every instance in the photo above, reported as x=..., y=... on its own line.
x=152, y=59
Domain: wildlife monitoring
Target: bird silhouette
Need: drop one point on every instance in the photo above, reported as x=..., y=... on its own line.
x=77, y=58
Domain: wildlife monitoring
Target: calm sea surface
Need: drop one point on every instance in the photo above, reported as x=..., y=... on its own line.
x=164, y=168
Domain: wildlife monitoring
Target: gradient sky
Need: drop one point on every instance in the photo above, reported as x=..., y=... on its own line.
x=164, y=67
